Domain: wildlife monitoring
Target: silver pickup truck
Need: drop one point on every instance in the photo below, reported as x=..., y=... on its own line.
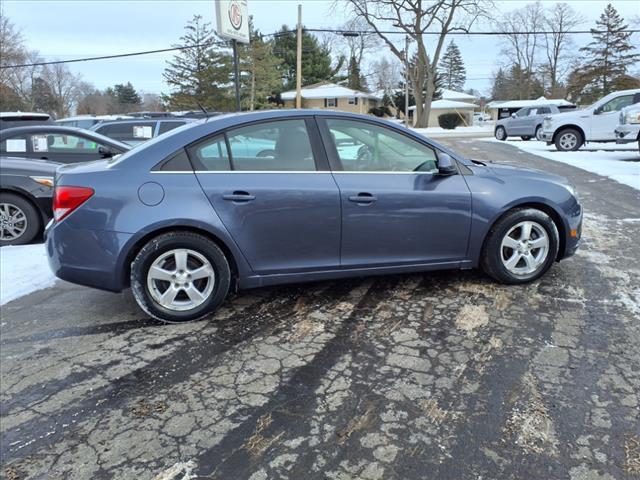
x=628, y=129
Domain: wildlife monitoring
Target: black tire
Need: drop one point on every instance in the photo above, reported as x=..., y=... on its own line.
x=33, y=220
x=491, y=261
x=525, y=138
x=563, y=146
x=538, y=134
x=167, y=242
x=501, y=133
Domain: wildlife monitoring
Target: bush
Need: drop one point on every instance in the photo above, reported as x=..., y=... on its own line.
x=380, y=111
x=449, y=120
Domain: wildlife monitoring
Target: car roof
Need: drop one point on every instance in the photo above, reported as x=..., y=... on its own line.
x=53, y=128
x=24, y=115
x=144, y=119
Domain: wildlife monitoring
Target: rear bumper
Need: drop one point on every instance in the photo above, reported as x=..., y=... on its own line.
x=86, y=257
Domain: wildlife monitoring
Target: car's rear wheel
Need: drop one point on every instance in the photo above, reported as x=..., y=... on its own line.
x=568, y=140
x=521, y=246
x=180, y=276
x=501, y=133
x=19, y=220
x=539, y=133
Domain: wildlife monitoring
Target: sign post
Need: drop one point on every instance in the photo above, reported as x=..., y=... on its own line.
x=233, y=24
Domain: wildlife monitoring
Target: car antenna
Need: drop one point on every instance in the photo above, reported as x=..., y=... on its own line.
x=206, y=114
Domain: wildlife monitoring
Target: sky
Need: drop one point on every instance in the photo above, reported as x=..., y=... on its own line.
x=67, y=29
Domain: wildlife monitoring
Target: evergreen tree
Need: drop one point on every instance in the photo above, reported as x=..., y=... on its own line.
x=316, y=59
x=259, y=66
x=200, y=74
x=355, y=79
x=43, y=97
x=127, y=97
x=451, y=68
x=608, y=58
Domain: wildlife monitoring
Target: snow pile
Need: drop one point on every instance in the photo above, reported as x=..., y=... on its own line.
x=23, y=269
x=617, y=162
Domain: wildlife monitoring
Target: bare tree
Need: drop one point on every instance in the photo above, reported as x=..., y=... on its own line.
x=560, y=20
x=416, y=18
x=355, y=46
x=66, y=87
x=522, y=41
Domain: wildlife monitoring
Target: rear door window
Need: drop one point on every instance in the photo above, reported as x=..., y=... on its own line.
x=60, y=143
x=210, y=155
x=272, y=146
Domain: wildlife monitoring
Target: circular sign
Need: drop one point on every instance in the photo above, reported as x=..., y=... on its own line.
x=235, y=15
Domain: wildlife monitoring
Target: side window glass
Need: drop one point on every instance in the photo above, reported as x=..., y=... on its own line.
x=13, y=145
x=166, y=126
x=210, y=154
x=617, y=104
x=523, y=112
x=57, y=143
x=278, y=146
x=534, y=111
x=363, y=147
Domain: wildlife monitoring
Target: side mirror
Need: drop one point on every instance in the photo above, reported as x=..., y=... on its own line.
x=513, y=115
x=446, y=164
x=105, y=151
x=597, y=111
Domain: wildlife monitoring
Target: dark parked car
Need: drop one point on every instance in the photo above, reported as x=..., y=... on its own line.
x=526, y=123
x=184, y=216
x=26, y=190
x=59, y=144
x=134, y=132
x=19, y=119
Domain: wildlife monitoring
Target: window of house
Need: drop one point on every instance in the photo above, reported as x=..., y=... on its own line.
x=331, y=102
x=353, y=100
x=365, y=147
x=272, y=146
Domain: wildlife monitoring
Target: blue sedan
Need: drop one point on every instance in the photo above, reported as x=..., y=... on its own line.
x=265, y=198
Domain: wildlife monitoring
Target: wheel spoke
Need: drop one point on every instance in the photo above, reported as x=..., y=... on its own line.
x=525, y=233
x=181, y=260
x=194, y=294
x=531, y=262
x=510, y=242
x=541, y=242
x=513, y=260
x=203, y=272
x=167, y=298
x=158, y=273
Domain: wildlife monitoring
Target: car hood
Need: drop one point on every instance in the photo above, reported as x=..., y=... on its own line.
x=28, y=166
x=564, y=116
x=504, y=170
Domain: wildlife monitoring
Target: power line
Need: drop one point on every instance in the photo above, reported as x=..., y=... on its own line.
x=282, y=33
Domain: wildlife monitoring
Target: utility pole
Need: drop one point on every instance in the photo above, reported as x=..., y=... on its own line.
x=236, y=73
x=299, y=60
x=406, y=81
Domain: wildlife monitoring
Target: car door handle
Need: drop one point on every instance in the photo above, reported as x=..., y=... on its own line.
x=363, y=198
x=239, y=197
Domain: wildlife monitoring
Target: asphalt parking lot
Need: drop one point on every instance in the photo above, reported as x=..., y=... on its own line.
x=442, y=375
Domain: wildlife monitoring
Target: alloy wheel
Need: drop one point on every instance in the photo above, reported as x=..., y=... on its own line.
x=539, y=134
x=13, y=222
x=524, y=248
x=568, y=141
x=181, y=279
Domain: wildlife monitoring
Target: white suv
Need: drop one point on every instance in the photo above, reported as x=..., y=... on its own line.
x=628, y=130
x=570, y=130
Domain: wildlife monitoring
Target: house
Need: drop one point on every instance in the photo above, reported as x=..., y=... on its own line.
x=333, y=97
x=504, y=108
x=439, y=107
x=457, y=96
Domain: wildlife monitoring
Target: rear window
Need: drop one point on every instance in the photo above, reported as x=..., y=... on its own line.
x=139, y=131
x=166, y=126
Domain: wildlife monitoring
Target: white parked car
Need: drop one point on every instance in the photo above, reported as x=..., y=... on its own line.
x=628, y=129
x=597, y=123
x=480, y=117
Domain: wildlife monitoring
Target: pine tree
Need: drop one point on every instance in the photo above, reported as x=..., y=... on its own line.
x=127, y=96
x=354, y=78
x=316, y=59
x=451, y=68
x=259, y=71
x=200, y=74
x=608, y=58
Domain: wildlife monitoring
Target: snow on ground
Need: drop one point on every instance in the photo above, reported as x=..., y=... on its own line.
x=23, y=269
x=617, y=162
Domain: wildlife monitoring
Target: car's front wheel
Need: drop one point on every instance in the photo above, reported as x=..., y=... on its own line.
x=180, y=276
x=501, y=133
x=568, y=140
x=521, y=246
x=19, y=220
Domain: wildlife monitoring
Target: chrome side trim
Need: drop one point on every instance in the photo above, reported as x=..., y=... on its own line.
x=338, y=172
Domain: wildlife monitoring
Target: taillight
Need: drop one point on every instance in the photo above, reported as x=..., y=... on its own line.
x=67, y=199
